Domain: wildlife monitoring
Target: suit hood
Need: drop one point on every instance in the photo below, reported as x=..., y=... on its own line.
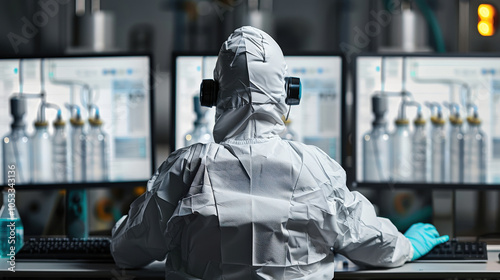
x=251, y=73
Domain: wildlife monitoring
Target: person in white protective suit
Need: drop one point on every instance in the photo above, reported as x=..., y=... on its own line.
x=251, y=205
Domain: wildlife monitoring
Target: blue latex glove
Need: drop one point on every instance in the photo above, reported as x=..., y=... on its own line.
x=423, y=238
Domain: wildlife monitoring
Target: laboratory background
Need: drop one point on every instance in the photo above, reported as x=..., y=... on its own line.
x=404, y=94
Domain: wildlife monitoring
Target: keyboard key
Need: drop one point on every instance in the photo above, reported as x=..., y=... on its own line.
x=458, y=251
x=473, y=248
x=480, y=250
x=467, y=248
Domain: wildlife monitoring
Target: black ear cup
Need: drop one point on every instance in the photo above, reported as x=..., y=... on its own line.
x=208, y=92
x=293, y=90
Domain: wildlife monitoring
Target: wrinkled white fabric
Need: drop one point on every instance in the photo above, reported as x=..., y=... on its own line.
x=251, y=205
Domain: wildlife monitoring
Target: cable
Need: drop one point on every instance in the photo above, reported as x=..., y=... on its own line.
x=287, y=114
x=403, y=78
x=84, y=87
x=378, y=160
x=20, y=77
x=433, y=25
x=450, y=82
x=382, y=74
x=42, y=79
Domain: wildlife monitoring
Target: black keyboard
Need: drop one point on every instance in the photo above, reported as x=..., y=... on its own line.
x=92, y=249
x=458, y=251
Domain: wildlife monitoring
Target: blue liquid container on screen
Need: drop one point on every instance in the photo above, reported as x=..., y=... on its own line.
x=11, y=227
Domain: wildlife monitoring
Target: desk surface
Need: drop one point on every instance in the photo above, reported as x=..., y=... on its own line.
x=419, y=270
x=60, y=269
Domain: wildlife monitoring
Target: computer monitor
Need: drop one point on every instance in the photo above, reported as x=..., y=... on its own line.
x=110, y=92
x=317, y=120
x=438, y=121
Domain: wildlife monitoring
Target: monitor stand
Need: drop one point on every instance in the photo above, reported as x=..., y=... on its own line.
x=443, y=205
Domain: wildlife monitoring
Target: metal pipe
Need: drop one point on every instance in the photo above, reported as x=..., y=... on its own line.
x=21, y=77
x=449, y=82
x=463, y=25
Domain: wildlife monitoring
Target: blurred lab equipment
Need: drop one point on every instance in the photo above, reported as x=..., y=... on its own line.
x=11, y=227
x=76, y=213
x=94, y=28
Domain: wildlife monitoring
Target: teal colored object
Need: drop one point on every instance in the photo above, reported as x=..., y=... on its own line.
x=76, y=215
x=300, y=90
x=434, y=26
x=11, y=227
x=423, y=238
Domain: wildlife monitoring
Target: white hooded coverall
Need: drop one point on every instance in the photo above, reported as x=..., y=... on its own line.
x=251, y=205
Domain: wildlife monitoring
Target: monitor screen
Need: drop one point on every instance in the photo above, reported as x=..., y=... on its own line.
x=317, y=120
x=427, y=119
x=93, y=122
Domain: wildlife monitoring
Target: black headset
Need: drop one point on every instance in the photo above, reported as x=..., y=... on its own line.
x=209, y=89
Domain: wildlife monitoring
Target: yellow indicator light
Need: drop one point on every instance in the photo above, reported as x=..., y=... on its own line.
x=486, y=19
x=485, y=11
x=484, y=28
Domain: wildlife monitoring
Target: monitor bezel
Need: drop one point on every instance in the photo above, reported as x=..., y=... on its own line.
x=353, y=136
x=105, y=184
x=343, y=113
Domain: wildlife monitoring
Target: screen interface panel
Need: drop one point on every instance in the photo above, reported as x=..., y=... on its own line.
x=102, y=106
